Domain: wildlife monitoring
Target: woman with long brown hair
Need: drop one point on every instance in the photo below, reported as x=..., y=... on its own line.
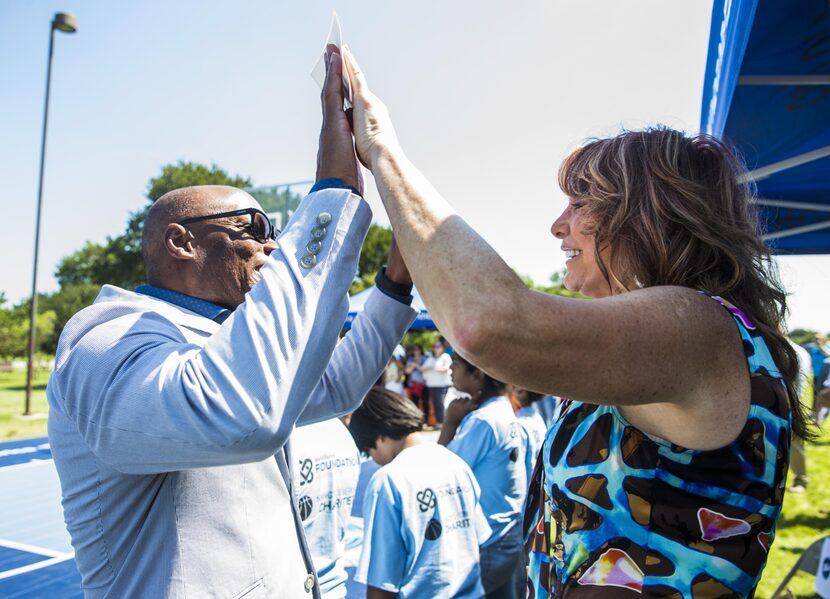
x=664, y=476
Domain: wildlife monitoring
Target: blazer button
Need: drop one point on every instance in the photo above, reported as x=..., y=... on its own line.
x=313, y=247
x=323, y=219
x=309, y=583
x=308, y=260
x=317, y=233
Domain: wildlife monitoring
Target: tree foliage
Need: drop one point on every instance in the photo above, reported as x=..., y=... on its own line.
x=14, y=329
x=64, y=304
x=373, y=255
x=803, y=336
x=555, y=285
x=186, y=174
x=278, y=201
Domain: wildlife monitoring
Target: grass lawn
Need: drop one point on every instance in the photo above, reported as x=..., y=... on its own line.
x=806, y=517
x=12, y=402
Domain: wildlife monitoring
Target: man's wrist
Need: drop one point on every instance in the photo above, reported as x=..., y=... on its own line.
x=333, y=183
x=401, y=292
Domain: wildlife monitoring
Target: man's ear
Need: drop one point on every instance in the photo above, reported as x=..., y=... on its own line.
x=178, y=242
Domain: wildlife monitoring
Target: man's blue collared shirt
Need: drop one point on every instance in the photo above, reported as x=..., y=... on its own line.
x=188, y=302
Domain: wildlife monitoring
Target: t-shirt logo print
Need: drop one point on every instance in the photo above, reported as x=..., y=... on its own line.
x=306, y=506
x=306, y=472
x=433, y=530
x=426, y=499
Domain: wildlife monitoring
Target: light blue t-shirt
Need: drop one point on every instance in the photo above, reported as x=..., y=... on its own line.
x=423, y=526
x=490, y=440
x=324, y=475
x=534, y=430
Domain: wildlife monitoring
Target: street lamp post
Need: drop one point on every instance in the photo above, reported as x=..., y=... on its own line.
x=67, y=24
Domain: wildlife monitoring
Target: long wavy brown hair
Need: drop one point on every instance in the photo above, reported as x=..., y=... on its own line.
x=675, y=210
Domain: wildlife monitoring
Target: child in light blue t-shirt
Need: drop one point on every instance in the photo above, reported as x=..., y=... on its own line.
x=485, y=433
x=423, y=521
x=533, y=425
x=324, y=477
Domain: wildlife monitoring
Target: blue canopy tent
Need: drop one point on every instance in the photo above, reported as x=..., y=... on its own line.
x=767, y=91
x=422, y=321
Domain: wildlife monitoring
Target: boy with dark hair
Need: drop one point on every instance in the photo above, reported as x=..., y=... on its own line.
x=423, y=523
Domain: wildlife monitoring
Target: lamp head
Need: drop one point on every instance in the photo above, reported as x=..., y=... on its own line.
x=65, y=22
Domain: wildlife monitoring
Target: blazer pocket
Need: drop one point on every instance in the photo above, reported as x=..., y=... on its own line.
x=250, y=590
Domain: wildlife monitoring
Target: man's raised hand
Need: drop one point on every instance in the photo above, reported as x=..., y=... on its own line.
x=336, y=156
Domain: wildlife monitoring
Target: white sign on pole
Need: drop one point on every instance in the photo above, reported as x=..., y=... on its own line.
x=823, y=572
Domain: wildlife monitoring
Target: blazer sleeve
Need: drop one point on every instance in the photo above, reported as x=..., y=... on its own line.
x=146, y=400
x=359, y=358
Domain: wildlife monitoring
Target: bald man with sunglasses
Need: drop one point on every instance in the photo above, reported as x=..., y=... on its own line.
x=171, y=406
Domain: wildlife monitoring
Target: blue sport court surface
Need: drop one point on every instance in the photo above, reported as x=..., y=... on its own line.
x=36, y=558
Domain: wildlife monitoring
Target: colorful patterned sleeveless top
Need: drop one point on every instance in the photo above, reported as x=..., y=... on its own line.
x=616, y=513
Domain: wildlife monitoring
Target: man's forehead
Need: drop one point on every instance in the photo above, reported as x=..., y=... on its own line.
x=211, y=199
x=237, y=201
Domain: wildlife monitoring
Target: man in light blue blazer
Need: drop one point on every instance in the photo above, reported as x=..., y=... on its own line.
x=171, y=406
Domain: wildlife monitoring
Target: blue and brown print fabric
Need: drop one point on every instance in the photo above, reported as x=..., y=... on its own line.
x=617, y=513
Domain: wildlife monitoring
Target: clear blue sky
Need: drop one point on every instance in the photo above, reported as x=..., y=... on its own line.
x=488, y=97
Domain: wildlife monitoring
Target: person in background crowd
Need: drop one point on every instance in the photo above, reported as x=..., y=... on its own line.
x=423, y=520
x=818, y=350
x=325, y=474
x=525, y=403
x=549, y=408
x=393, y=376
x=673, y=455
x=438, y=378
x=819, y=359
x=798, y=454
x=415, y=384
x=822, y=406
x=484, y=432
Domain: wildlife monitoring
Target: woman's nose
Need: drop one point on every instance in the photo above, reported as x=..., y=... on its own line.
x=560, y=226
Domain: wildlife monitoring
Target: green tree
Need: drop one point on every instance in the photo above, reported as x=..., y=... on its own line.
x=14, y=329
x=277, y=201
x=426, y=339
x=64, y=303
x=118, y=261
x=555, y=286
x=373, y=255
x=803, y=336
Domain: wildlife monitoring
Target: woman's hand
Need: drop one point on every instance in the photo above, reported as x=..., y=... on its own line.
x=371, y=125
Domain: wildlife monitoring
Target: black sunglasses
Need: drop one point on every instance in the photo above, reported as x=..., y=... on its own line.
x=260, y=226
